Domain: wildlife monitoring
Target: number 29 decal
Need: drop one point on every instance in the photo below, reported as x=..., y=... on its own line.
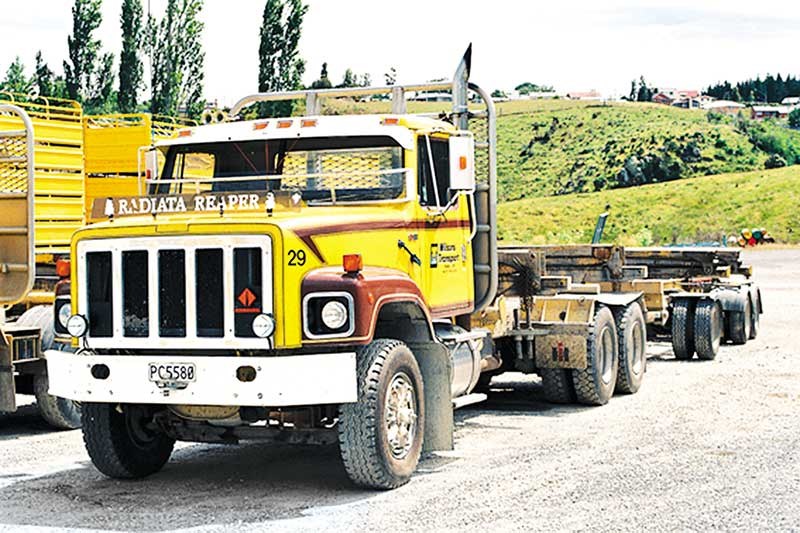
x=297, y=258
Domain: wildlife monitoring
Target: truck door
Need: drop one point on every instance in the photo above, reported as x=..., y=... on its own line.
x=444, y=233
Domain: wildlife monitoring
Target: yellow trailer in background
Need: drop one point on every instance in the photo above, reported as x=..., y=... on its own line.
x=73, y=160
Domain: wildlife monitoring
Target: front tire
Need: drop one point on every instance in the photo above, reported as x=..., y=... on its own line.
x=380, y=436
x=122, y=441
x=595, y=384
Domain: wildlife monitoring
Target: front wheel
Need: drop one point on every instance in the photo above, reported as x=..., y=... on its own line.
x=123, y=441
x=380, y=436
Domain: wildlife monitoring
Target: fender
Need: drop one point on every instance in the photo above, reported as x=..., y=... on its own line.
x=372, y=289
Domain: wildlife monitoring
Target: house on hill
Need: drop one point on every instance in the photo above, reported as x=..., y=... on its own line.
x=589, y=95
x=726, y=107
x=791, y=101
x=763, y=112
x=663, y=98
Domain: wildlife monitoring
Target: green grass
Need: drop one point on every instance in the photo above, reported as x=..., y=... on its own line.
x=685, y=211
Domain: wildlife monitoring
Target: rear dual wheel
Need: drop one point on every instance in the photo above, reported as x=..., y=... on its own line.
x=595, y=384
x=632, y=335
x=697, y=326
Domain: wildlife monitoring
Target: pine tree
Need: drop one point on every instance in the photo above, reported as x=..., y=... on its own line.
x=16, y=81
x=176, y=52
x=83, y=48
x=43, y=77
x=280, y=67
x=130, y=64
x=350, y=79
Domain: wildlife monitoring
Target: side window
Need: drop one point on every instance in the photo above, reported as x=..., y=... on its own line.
x=440, y=153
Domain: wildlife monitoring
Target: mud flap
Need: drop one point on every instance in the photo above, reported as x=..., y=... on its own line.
x=436, y=367
x=8, y=399
x=561, y=351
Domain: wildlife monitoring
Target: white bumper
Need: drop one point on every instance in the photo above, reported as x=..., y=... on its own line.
x=279, y=381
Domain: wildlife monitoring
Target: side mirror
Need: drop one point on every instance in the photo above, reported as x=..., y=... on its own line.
x=151, y=164
x=462, y=164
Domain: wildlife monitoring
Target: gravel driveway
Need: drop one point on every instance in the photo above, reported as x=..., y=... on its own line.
x=703, y=446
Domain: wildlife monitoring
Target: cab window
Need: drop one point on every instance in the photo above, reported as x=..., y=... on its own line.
x=440, y=152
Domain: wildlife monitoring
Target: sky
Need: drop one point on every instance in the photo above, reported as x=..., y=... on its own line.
x=575, y=45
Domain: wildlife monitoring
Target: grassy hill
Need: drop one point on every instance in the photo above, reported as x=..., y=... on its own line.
x=689, y=210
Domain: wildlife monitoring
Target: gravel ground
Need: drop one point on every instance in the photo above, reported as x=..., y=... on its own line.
x=703, y=446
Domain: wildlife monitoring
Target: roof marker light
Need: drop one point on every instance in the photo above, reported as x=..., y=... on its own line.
x=391, y=121
x=283, y=124
x=185, y=133
x=260, y=125
x=308, y=123
x=352, y=263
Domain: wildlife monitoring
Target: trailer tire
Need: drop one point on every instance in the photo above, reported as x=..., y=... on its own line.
x=387, y=374
x=707, y=328
x=740, y=322
x=683, y=310
x=557, y=385
x=121, y=444
x=632, y=334
x=595, y=384
x=60, y=413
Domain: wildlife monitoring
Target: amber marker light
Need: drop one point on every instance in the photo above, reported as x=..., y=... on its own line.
x=462, y=162
x=283, y=124
x=353, y=263
x=62, y=268
x=391, y=121
x=260, y=125
x=308, y=123
x=185, y=133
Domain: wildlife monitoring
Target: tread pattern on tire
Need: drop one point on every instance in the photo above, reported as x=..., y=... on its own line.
x=755, y=306
x=586, y=390
x=357, y=428
x=625, y=317
x=683, y=328
x=707, y=317
x=105, y=437
x=557, y=385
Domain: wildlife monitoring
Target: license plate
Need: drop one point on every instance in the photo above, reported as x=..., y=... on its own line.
x=172, y=372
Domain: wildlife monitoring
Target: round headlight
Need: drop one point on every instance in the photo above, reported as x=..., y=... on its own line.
x=263, y=326
x=64, y=314
x=77, y=326
x=334, y=315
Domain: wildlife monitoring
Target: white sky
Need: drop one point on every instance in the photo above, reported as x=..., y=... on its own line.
x=572, y=44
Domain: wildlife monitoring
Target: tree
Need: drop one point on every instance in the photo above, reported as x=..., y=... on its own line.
x=176, y=52
x=350, y=79
x=88, y=75
x=130, y=64
x=528, y=88
x=43, y=77
x=645, y=93
x=323, y=82
x=280, y=66
x=366, y=80
x=794, y=119
x=634, y=91
x=497, y=93
x=16, y=81
x=391, y=77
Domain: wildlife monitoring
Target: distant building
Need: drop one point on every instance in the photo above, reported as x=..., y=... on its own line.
x=726, y=107
x=688, y=103
x=792, y=101
x=663, y=98
x=432, y=97
x=590, y=95
x=763, y=112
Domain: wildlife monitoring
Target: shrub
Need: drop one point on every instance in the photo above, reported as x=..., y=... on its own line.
x=774, y=161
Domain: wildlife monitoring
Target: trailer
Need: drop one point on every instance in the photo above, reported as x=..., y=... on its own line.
x=73, y=160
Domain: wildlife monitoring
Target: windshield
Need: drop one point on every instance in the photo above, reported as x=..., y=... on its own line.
x=322, y=170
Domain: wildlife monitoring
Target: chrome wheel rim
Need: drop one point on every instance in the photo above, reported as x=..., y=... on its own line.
x=400, y=415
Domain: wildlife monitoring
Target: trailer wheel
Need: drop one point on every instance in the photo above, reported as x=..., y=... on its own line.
x=557, y=385
x=122, y=441
x=60, y=413
x=707, y=328
x=632, y=334
x=594, y=385
x=683, y=328
x=380, y=436
x=740, y=322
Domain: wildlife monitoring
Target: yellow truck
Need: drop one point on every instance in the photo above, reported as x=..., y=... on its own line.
x=73, y=159
x=321, y=279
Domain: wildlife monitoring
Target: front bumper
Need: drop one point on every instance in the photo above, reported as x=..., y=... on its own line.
x=278, y=382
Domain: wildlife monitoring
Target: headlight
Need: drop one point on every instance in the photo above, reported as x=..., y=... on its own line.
x=77, y=326
x=334, y=315
x=64, y=314
x=263, y=326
